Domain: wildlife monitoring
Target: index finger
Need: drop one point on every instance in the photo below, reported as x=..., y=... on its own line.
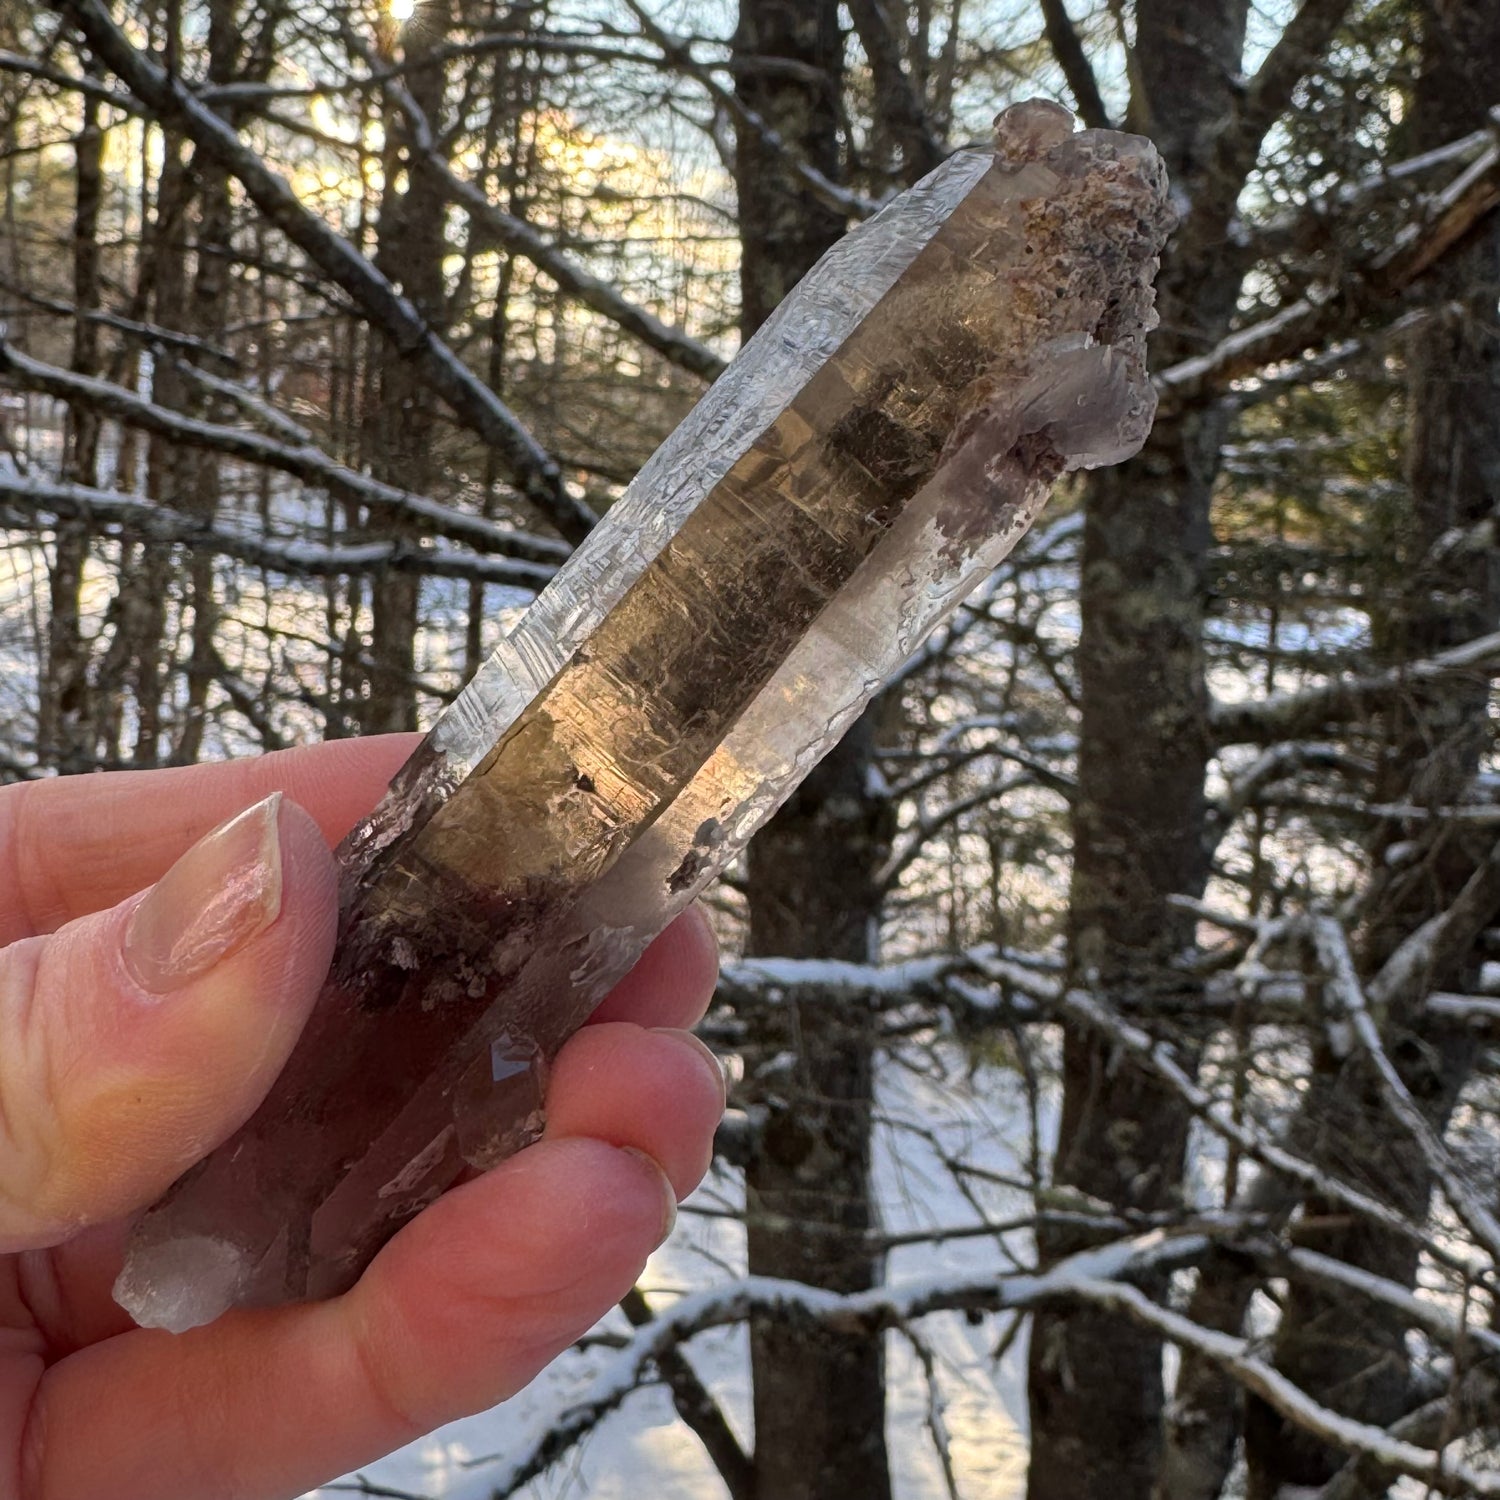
x=79, y=844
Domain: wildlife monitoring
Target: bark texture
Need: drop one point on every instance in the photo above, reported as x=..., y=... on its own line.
x=1094, y=1380
x=819, y=1398
x=1346, y=1353
x=403, y=411
x=63, y=729
x=819, y=1393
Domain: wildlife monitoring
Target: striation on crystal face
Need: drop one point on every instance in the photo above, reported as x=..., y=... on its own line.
x=868, y=458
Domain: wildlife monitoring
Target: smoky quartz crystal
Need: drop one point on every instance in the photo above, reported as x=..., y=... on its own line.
x=868, y=458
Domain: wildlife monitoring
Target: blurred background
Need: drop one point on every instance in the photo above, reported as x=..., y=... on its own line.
x=1112, y=1018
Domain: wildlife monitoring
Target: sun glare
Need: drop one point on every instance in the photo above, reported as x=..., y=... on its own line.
x=401, y=10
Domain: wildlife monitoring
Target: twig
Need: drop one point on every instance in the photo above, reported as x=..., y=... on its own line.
x=872, y=1312
x=517, y=236
x=532, y=469
x=136, y=516
x=303, y=460
x=1333, y=953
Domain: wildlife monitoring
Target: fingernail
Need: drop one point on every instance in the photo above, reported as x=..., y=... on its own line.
x=702, y=1050
x=219, y=895
x=669, y=1197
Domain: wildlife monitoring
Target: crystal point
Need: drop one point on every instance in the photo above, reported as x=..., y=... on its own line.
x=868, y=458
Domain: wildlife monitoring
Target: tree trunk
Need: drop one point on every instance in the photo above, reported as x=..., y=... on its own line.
x=63, y=737
x=900, y=114
x=819, y=1397
x=208, y=314
x=1095, y=1380
x=819, y=1394
x=146, y=593
x=404, y=417
x=783, y=230
x=1345, y=1352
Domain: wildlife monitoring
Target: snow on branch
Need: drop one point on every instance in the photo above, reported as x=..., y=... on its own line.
x=696, y=1406
x=1482, y=1009
x=1421, y=1312
x=966, y=982
x=1286, y=230
x=533, y=471
x=1469, y=1402
x=1327, y=311
x=303, y=461
x=24, y=500
x=1290, y=715
x=152, y=334
x=1445, y=219
x=518, y=237
x=1159, y=1058
x=1233, y=1355
x=1425, y=957
x=1284, y=334
x=869, y=1312
x=677, y=52
x=1103, y=1276
x=1333, y=953
x=255, y=406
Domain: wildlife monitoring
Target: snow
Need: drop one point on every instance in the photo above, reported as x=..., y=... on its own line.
x=642, y=1448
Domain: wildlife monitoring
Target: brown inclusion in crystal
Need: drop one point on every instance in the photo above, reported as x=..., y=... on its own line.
x=871, y=455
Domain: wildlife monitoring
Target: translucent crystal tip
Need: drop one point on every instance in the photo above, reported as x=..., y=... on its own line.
x=181, y=1283
x=1031, y=128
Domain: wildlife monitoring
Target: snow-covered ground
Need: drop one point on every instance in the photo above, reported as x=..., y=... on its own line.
x=643, y=1449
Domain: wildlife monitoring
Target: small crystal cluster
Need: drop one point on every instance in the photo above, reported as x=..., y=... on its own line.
x=871, y=455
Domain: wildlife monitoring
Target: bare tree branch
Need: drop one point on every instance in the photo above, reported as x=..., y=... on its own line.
x=697, y=1407
x=152, y=334
x=1101, y=1276
x=1327, y=311
x=1158, y=1057
x=1444, y=1476
x=1062, y=37
x=518, y=237
x=1283, y=716
x=30, y=67
x=1428, y=956
x=27, y=500
x=678, y=51
x=1302, y=43
x=1333, y=953
x=303, y=461
x=532, y=469
x=876, y=1310
x=897, y=102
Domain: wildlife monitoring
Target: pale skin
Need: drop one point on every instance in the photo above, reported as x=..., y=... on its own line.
x=107, y=1093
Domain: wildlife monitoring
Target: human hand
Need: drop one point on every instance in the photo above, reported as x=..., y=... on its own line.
x=133, y=1040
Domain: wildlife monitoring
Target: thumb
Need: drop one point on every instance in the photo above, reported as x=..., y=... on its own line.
x=134, y=1040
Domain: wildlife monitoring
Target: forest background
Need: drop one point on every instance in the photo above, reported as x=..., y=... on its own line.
x=1112, y=1018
